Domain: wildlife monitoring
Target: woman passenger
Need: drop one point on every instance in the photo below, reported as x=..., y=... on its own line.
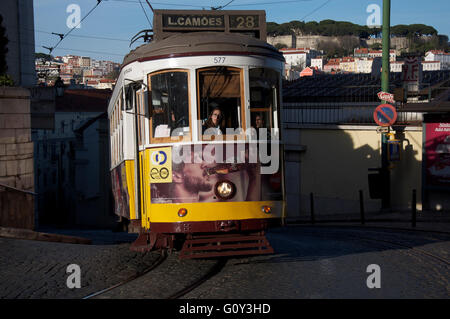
x=214, y=122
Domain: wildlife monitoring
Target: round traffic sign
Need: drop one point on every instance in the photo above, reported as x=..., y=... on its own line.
x=385, y=115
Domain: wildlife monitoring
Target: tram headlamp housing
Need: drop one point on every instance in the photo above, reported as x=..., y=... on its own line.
x=266, y=209
x=225, y=189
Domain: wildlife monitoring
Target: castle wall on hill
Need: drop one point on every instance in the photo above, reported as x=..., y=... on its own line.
x=312, y=41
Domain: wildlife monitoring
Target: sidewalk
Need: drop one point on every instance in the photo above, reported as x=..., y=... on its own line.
x=69, y=236
x=96, y=236
x=19, y=233
x=425, y=220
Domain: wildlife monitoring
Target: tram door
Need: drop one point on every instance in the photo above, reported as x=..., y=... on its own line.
x=142, y=132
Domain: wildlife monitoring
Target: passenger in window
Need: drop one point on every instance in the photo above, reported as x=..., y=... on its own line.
x=177, y=120
x=260, y=124
x=213, y=124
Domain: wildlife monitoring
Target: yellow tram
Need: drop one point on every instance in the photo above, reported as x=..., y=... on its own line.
x=196, y=157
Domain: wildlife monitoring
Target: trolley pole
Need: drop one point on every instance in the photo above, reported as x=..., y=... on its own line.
x=386, y=199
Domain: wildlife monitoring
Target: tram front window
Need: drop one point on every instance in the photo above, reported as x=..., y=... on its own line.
x=264, y=84
x=169, y=100
x=220, y=100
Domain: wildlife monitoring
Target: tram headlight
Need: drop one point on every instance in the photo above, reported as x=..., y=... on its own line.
x=266, y=209
x=225, y=189
x=182, y=212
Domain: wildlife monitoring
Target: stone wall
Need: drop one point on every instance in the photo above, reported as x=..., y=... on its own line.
x=397, y=43
x=312, y=41
x=16, y=159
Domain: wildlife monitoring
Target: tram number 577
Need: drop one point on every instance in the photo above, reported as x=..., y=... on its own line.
x=219, y=59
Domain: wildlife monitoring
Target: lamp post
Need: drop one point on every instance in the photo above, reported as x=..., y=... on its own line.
x=386, y=198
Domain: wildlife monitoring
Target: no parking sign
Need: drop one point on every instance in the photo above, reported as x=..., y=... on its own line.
x=385, y=115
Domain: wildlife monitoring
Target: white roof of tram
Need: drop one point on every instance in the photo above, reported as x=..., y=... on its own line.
x=202, y=43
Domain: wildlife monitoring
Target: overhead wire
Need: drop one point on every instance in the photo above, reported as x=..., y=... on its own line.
x=148, y=2
x=88, y=51
x=146, y=16
x=266, y=3
x=68, y=32
x=87, y=36
x=203, y=6
x=166, y=4
x=316, y=9
x=221, y=7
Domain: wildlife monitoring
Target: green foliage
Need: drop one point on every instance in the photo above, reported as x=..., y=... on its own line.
x=341, y=28
x=376, y=46
x=335, y=49
x=280, y=46
x=43, y=56
x=113, y=75
x=5, y=80
x=419, y=45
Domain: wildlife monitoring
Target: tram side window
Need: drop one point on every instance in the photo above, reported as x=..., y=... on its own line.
x=220, y=89
x=264, y=97
x=169, y=100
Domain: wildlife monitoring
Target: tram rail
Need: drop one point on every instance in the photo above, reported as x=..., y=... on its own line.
x=162, y=257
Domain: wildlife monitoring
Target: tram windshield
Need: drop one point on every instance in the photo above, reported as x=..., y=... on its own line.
x=220, y=100
x=264, y=85
x=169, y=100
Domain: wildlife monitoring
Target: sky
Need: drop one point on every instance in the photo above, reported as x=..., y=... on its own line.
x=105, y=33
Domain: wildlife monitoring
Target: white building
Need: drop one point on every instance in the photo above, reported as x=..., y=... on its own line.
x=295, y=57
x=396, y=66
x=431, y=65
x=317, y=63
x=84, y=62
x=363, y=65
x=366, y=53
x=441, y=56
x=106, y=84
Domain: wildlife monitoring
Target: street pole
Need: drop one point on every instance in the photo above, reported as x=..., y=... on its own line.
x=386, y=200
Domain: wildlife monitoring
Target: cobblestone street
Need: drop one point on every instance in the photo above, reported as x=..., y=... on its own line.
x=34, y=269
x=323, y=263
x=310, y=262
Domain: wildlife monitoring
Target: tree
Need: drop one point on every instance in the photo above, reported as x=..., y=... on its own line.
x=280, y=46
x=43, y=56
x=376, y=46
x=113, y=75
x=330, y=27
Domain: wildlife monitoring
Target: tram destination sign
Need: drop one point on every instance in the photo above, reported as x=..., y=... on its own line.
x=169, y=22
x=244, y=21
x=193, y=21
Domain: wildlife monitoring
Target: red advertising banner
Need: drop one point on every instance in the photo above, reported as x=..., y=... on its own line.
x=437, y=153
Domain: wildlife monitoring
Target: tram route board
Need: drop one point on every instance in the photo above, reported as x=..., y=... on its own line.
x=168, y=22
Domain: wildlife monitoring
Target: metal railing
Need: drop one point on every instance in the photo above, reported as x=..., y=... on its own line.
x=339, y=113
x=17, y=190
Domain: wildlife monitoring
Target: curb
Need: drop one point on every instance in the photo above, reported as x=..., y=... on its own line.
x=18, y=233
x=394, y=225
